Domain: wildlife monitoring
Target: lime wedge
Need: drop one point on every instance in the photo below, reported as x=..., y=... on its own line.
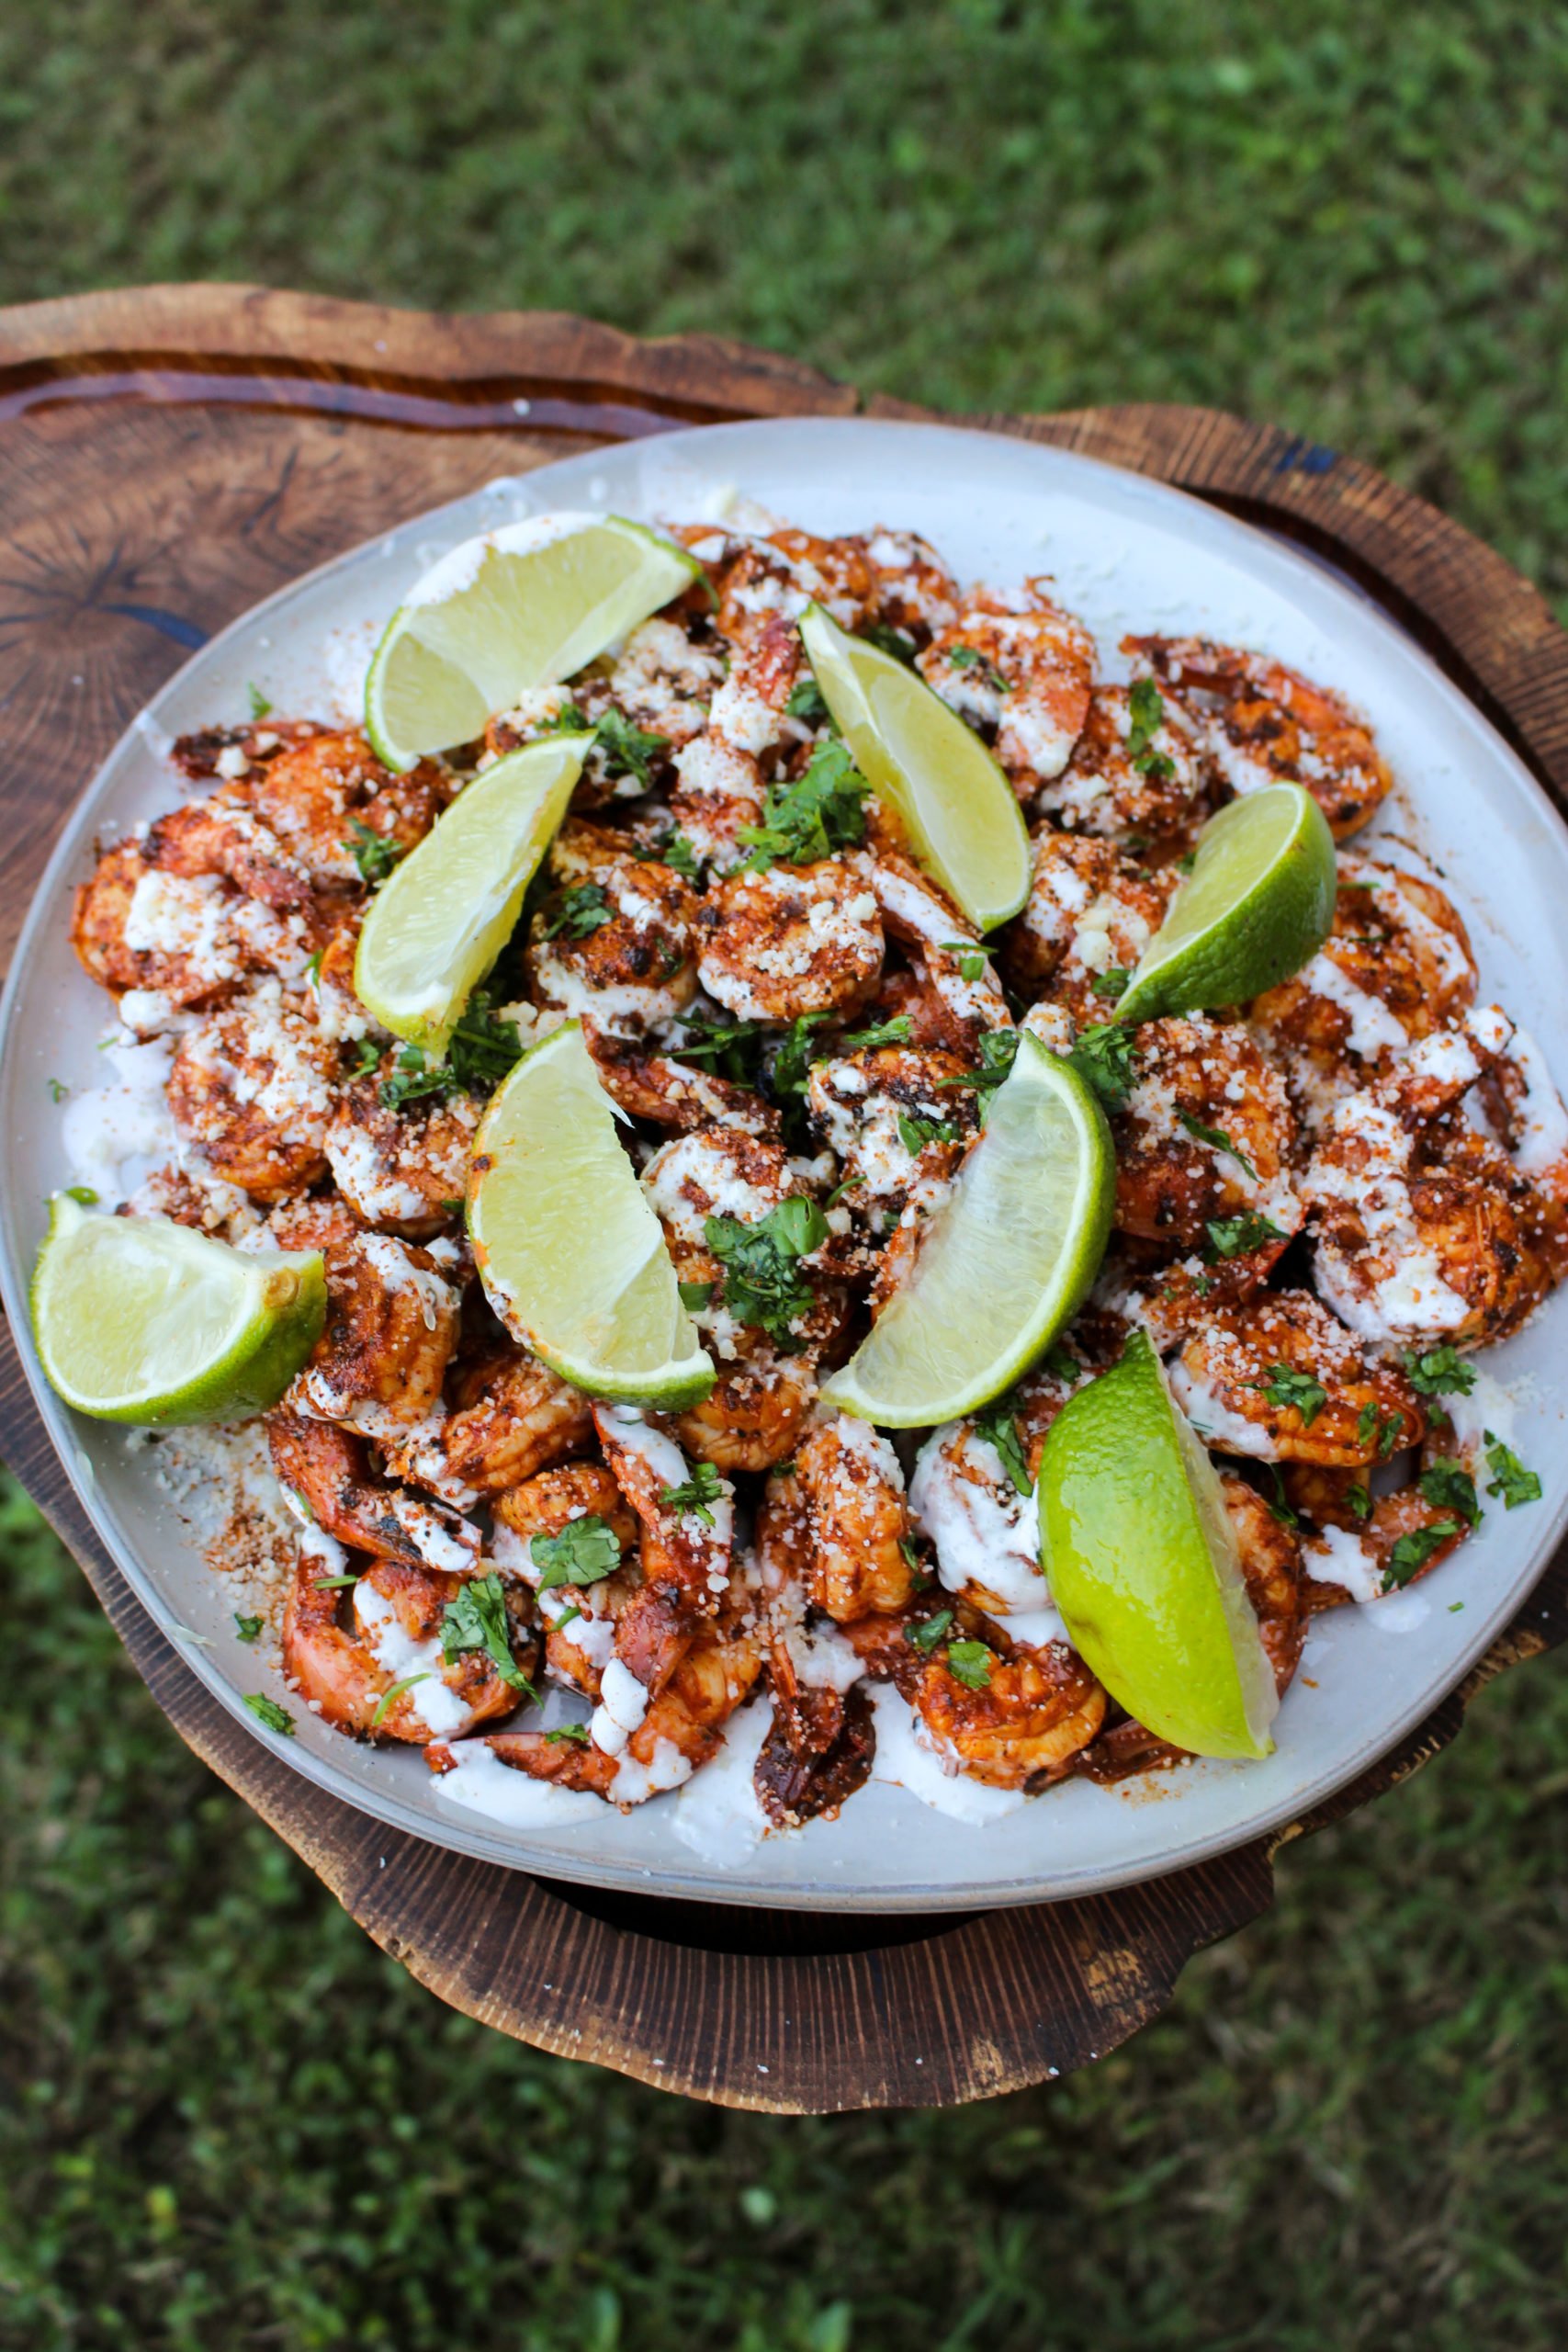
x=1258, y=904
x=1141, y=1557
x=1004, y=1262
x=517, y=608
x=570, y=1253
x=140, y=1321
x=964, y=823
x=436, y=926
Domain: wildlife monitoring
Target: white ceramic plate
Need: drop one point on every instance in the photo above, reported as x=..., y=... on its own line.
x=1124, y=552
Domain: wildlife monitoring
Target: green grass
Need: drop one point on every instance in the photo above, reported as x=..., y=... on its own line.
x=225, y=2120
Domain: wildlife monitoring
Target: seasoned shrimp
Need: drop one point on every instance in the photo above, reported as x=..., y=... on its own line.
x=329, y=1469
x=403, y=1170
x=1282, y=1380
x=386, y=1675
x=164, y=945
x=1396, y=966
x=677, y=1094
x=771, y=1290
x=1362, y=1547
x=1207, y=1134
x=1424, y=1229
x=1263, y=723
x=792, y=940
x=614, y=939
x=977, y=1506
x=1019, y=670
x=581, y=1620
x=509, y=1416
x=911, y=588
x=391, y=1331
x=1135, y=769
x=251, y=1087
x=846, y=1489
x=1091, y=912
x=943, y=946
x=1018, y=1716
x=897, y=1121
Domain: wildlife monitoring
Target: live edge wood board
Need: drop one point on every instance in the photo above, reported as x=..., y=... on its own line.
x=169, y=456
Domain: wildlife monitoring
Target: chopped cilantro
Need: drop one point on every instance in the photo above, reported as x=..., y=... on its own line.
x=793, y=1058
x=1287, y=1387
x=1438, y=1372
x=915, y=1133
x=1509, y=1478
x=848, y=1184
x=805, y=702
x=333, y=1584
x=58, y=1090
x=569, y=721
x=1359, y=1502
x=971, y=955
x=731, y=1049
x=895, y=641
x=881, y=1033
x=1411, y=1551
x=810, y=816
x=476, y=1620
x=1277, y=1507
x=1367, y=1423
x=247, y=1627
x=1450, y=1485
x=1218, y=1140
x=1391, y=1433
x=971, y=1663
x=1185, y=865
x=479, y=1052
x=1060, y=1363
x=1113, y=982
x=268, y=1712
x=925, y=1636
x=585, y=1551
x=998, y=1050
x=313, y=968
x=694, y=1498
x=374, y=854
x=998, y=1422
x=364, y=1053
x=676, y=851
x=394, y=1690
x=969, y=657
x=261, y=704
x=760, y=1284
x=630, y=750
x=1106, y=1058
x=1237, y=1236
x=694, y=1295
x=1147, y=712
x=577, y=1733
x=580, y=911
x=82, y=1193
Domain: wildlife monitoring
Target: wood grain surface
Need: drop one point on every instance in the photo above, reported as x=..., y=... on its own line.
x=169, y=456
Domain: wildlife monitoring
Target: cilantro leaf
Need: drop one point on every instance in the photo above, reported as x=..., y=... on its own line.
x=1237, y=1236
x=676, y=851
x=394, y=1690
x=915, y=1133
x=760, y=1284
x=586, y=1550
x=1277, y=1507
x=793, y=1058
x=476, y=1620
x=972, y=955
x=1509, y=1478
x=58, y=1090
x=1217, y=1139
x=925, y=1636
x=580, y=911
x=695, y=1495
x=971, y=1663
x=261, y=705
x=1450, y=1485
x=569, y=721
x=577, y=1733
x=247, y=1627
x=1113, y=981
x=1411, y=1551
x=695, y=1294
x=1438, y=1372
x=1285, y=1387
x=630, y=750
x=731, y=1049
x=805, y=702
x=999, y=1422
x=1147, y=711
x=897, y=642
x=268, y=1712
x=374, y=854
x=969, y=657
x=998, y=1051
x=809, y=816
x=1106, y=1058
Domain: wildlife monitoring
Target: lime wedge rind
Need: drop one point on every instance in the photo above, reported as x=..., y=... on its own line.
x=963, y=819
x=1141, y=1556
x=140, y=1321
x=569, y=1251
x=1257, y=906
x=439, y=922
x=513, y=609
x=1004, y=1264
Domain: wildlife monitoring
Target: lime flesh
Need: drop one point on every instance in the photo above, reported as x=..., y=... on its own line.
x=1004, y=1263
x=964, y=823
x=501, y=615
x=436, y=926
x=1258, y=904
x=1141, y=1557
x=140, y=1321
x=570, y=1253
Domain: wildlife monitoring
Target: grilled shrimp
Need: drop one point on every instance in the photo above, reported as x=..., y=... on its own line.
x=977, y=1506
x=251, y=1087
x=844, y=1493
x=676, y=1094
x=722, y=1172
x=1352, y=1550
x=1018, y=1716
x=1424, y=1229
x=329, y=1469
x=1282, y=1380
x=403, y=1170
x=391, y=1331
x=1263, y=723
x=164, y=945
x=911, y=588
x=509, y=1416
x=1207, y=1134
x=792, y=940
x=1127, y=777
x=942, y=944
x=1019, y=669
x=898, y=1121
x=580, y=1621
x=663, y=680
x=1396, y=966
x=392, y=1643
x=1091, y=911
x=615, y=937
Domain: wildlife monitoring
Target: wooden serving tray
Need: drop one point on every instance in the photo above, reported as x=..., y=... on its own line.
x=171, y=455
